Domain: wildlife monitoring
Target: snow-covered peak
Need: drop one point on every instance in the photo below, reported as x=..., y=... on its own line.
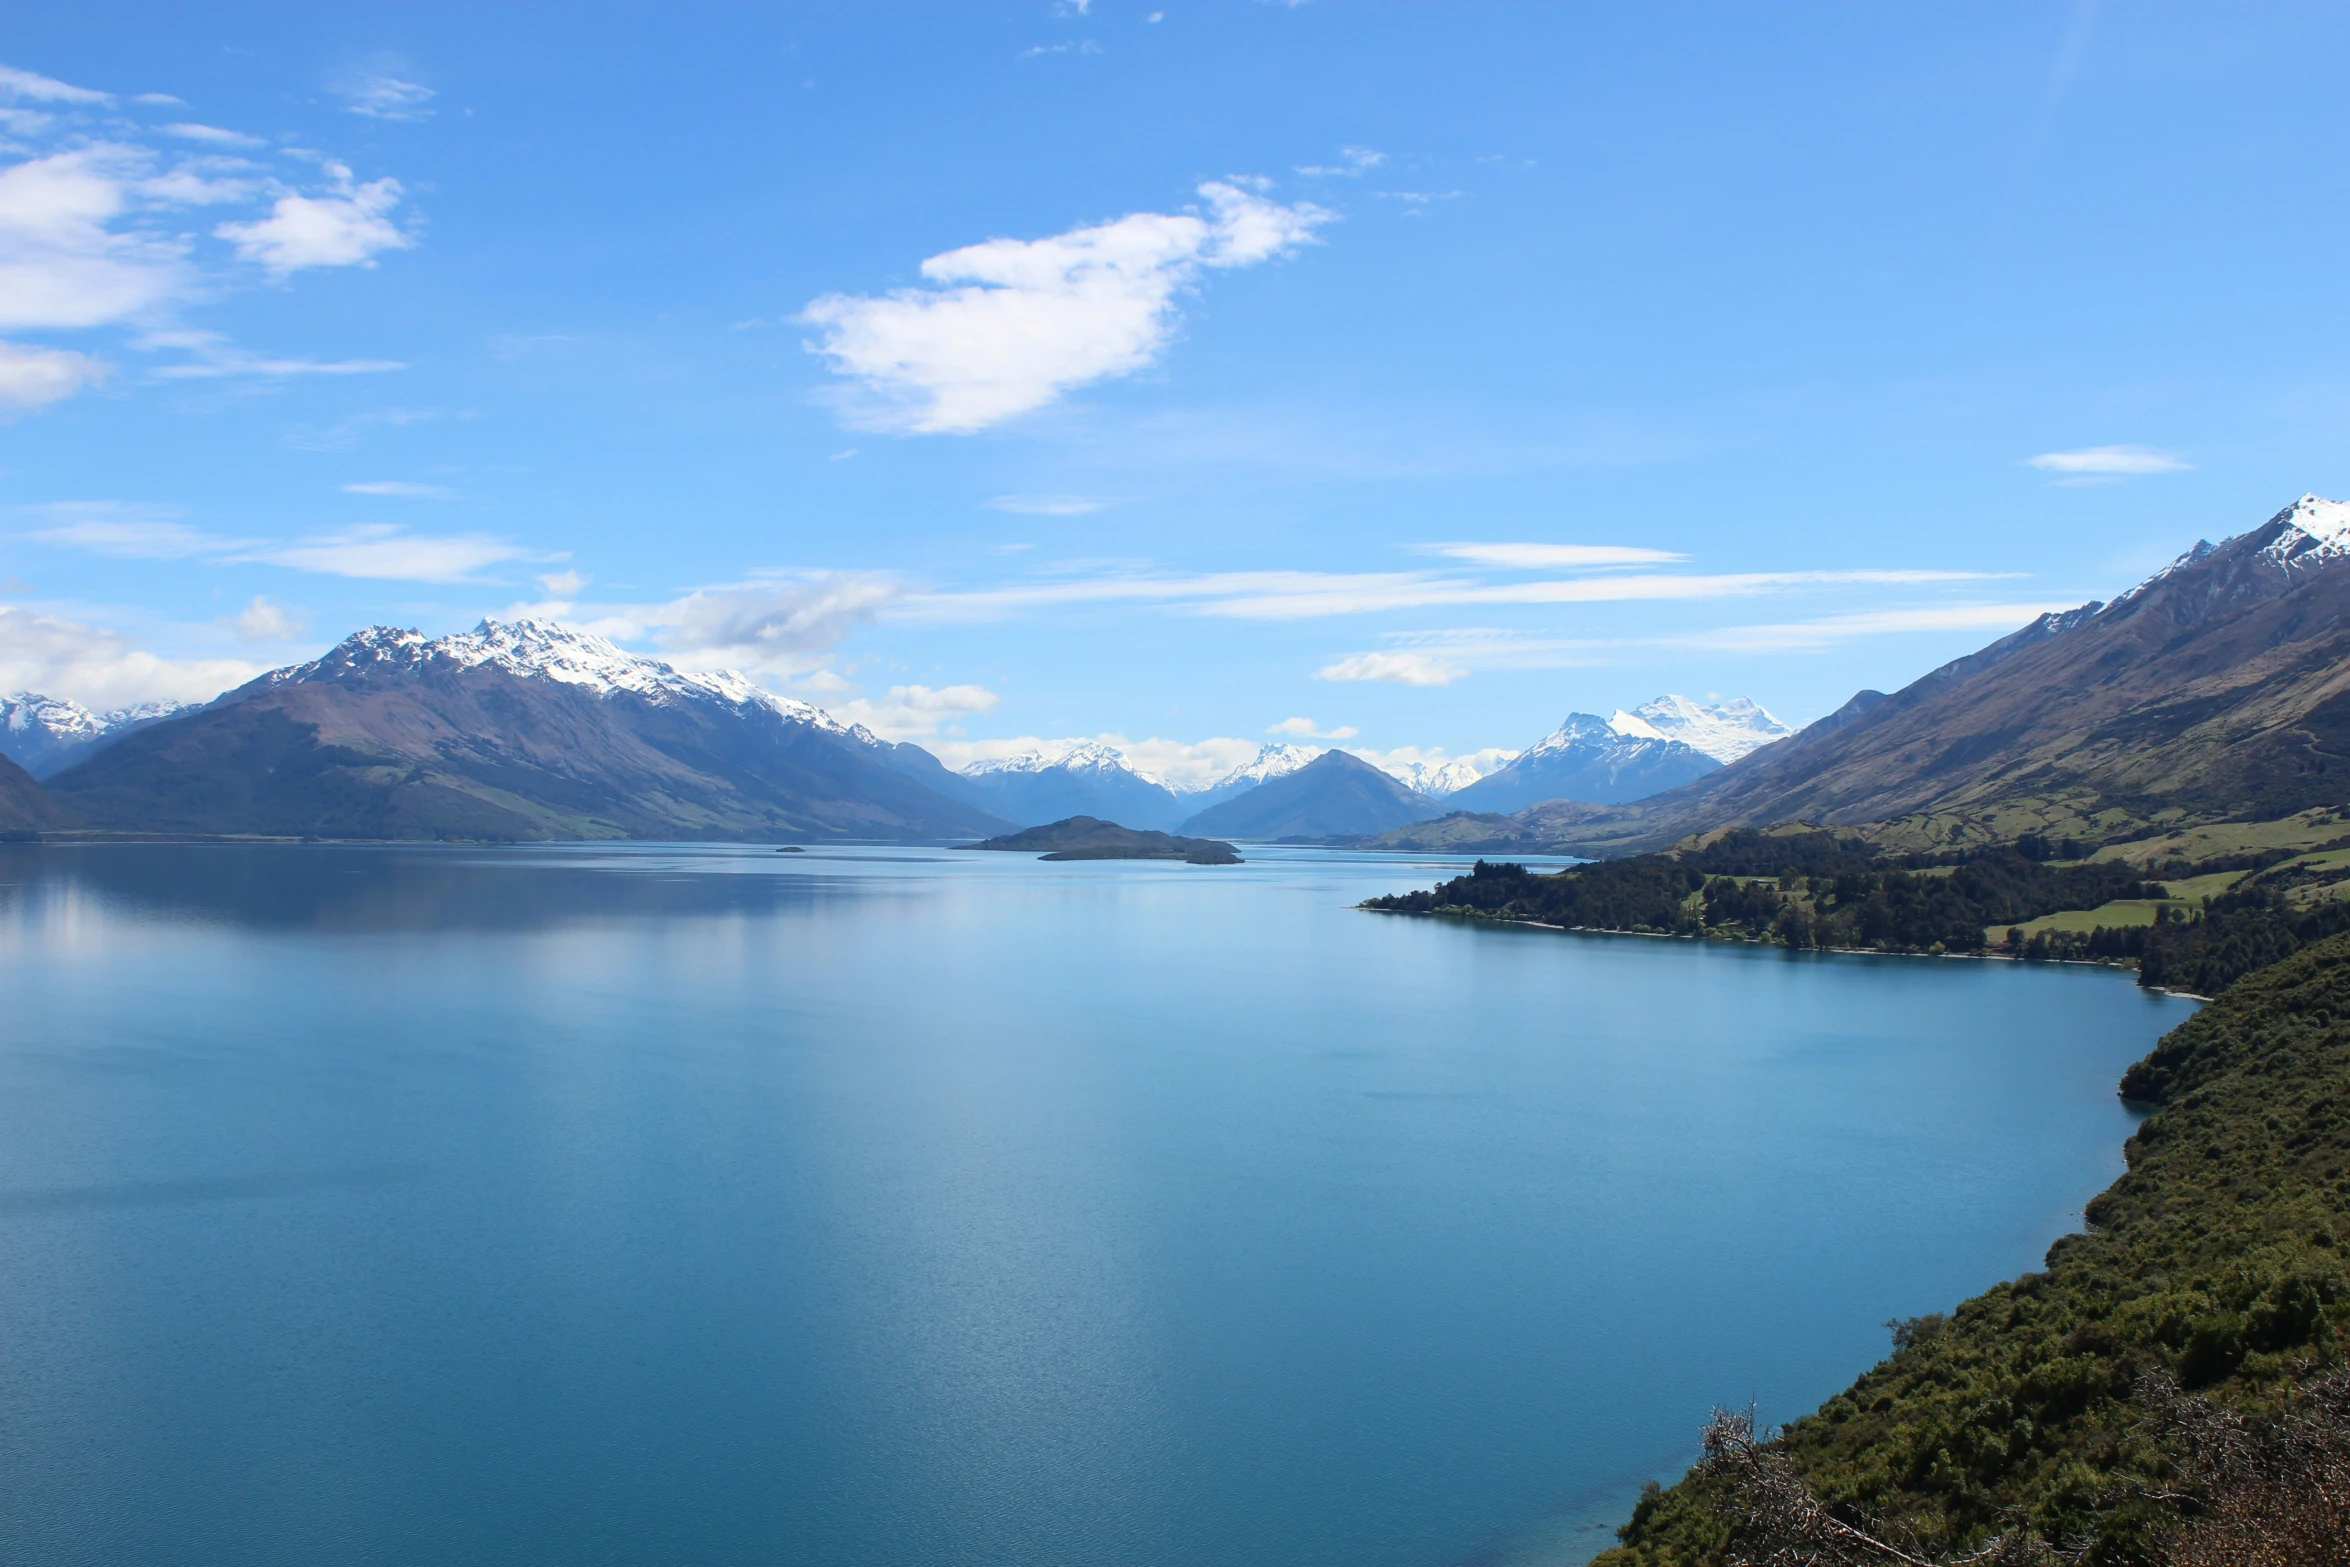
x=28, y=714
x=1580, y=729
x=1086, y=758
x=1724, y=731
x=1270, y=762
x=1438, y=779
x=1634, y=725
x=543, y=650
x=2320, y=530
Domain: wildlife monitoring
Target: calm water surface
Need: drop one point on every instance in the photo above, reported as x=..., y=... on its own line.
x=888, y=1208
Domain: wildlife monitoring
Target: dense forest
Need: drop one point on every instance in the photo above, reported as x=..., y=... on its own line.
x=2169, y=1390
x=1809, y=889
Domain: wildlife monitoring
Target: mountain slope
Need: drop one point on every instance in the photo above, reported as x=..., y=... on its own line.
x=524, y=730
x=1587, y=758
x=1335, y=795
x=46, y=734
x=1090, y=780
x=2218, y=687
x=24, y=807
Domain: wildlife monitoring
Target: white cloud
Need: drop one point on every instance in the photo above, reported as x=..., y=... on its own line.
x=384, y=97
x=401, y=489
x=35, y=377
x=2110, y=461
x=1405, y=669
x=1007, y=326
x=126, y=531
x=1049, y=505
x=774, y=625
x=42, y=89
x=102, y=668
x=381, y=552
x=212, y=135
x=1353, y=162
x=346, y=228
x=1304, y=595
x=1307, y=729
x=263, y=621
x=1829, y=630
x=61, y=262
x=912, y=712
x=1557, y=557
x=563, y=584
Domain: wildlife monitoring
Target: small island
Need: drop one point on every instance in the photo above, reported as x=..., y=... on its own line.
x=1090, y=838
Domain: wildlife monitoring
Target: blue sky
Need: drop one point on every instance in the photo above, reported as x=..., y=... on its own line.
x=1183, y=373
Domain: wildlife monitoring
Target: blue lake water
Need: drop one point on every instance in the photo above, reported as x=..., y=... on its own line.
x=902, y=1208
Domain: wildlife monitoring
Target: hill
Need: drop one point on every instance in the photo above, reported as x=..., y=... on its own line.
x=2218, y=1261
x=521, y=730
x=1085, y=838
x=2218, y=688
x=24, y=806
x=1333, y=796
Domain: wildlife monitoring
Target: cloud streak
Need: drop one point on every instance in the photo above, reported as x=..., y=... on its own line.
x=2110, y=462
x=1007, y=326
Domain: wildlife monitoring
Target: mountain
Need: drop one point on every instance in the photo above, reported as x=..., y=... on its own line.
x=24, y=806
x=1438, y=779
x=2217, y=688
x=46, y=734
x=1333, y=796
x=1724, y=731
x=1270, y=762
x=1092, y=780
x=519, y=730
x=1588, y=758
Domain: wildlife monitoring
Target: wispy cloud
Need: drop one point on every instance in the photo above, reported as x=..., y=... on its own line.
x=29, y=85
x=379, y=551
x=1829, y=630
x=382, y=96
x=2109, y=462
x=1008, y=326
x=915, y=712
x=349, y=226
x=1050, y=505
x=36, y=377
x=401, y=489
x=264, y=621
x=1352, y=163
x=211, y=135
x=1307, y=729
x=1402, y=668
x=1557, y=557
x=126, y=531
x=779, y=625
x=1306, y=595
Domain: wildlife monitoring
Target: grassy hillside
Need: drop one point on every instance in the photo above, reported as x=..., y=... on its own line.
x=2222, y=1258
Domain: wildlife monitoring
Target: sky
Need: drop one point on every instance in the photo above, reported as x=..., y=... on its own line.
x=1188, y=375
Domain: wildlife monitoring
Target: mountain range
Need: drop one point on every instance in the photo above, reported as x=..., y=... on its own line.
x=1337, y=794
x=2219, y=688
x=46, y=734
x=520, y=730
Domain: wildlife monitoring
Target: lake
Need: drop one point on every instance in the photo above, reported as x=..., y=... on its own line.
x=913, y=1208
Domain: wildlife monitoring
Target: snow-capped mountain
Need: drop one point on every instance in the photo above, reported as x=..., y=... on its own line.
x=525, y=730
x=1439, y=779
x=1089, y=779
x=1597, y=760
x=1724, y=731
x=46, y=734
x=1335, y=795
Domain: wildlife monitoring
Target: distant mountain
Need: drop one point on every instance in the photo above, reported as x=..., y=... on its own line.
x=1436, y=780
x=1270, y=762
x=1091, y=780
x=1588, y=758
x=1724, y=731
x=46, y=734
x=1335, y=795
x=24, y=806
x=517, y=730
x=2217, y=688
